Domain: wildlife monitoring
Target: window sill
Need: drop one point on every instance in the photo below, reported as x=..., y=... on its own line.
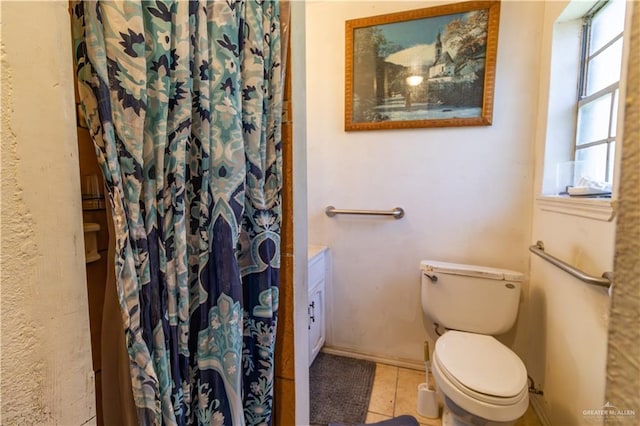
x=592, y=208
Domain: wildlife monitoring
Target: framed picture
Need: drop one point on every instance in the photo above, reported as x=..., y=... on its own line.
x=432, y=67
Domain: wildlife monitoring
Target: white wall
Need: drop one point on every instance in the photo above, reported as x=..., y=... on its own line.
x=300, y=293
x=46, y=370
x=467, y=192
x=568, y=318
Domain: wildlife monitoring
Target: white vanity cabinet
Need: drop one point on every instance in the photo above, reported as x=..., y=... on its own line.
x=316, y=307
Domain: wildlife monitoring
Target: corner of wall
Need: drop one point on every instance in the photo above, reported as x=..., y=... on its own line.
x=22, y=375
x=46, y=365
x=298, y=90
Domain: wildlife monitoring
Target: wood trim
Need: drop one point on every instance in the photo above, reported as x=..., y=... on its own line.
x=284, y=397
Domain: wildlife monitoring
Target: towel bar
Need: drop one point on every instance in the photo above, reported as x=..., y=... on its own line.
x=397, y=212
x=605, y=281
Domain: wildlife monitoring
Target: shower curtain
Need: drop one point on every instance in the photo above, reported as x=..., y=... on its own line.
x=183, y=101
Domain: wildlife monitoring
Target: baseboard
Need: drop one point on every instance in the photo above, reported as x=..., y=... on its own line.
x=397, y=362
x=537, y=403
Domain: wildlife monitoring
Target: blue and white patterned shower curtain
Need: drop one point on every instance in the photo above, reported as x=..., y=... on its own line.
x=183, y=100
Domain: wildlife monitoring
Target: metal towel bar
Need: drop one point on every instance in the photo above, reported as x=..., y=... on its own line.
x=605, y=281
x=397, y=212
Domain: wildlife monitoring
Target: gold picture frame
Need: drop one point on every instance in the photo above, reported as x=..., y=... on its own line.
x=430, y=67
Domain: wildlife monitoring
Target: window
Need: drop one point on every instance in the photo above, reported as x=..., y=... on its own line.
x=586, y=56
x=597, y=104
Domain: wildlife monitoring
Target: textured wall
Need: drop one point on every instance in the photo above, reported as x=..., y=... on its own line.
x=46, y=360
x=623, y=367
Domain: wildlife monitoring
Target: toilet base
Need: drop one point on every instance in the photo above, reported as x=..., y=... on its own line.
x=454, y=415
x=447, y=417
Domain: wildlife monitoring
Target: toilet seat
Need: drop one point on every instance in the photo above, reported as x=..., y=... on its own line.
x=490, y=399
x=481, y=364
x=481, y=375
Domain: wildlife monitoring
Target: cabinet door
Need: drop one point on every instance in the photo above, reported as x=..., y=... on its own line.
x=316, y=322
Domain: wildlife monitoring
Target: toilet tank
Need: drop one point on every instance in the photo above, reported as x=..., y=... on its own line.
x=477, y=299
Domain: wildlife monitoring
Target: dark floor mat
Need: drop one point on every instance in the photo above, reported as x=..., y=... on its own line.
x=340, y=389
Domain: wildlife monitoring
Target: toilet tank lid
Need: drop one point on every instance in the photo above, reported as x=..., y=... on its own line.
x=434, y=266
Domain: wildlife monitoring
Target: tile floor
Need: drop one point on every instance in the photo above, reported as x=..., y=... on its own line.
x=394, y=393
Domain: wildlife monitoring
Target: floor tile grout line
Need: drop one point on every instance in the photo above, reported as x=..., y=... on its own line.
x=521, y=422
x=386, y=416
x=395, y=392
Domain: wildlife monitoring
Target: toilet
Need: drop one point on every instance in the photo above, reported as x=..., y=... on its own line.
x=482, y=382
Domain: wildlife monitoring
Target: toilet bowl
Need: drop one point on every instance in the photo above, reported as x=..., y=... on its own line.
x=482, y=381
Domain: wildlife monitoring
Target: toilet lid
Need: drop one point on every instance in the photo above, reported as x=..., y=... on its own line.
x=481, y=363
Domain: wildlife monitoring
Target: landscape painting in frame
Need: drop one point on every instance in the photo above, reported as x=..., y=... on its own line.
x=432, y=67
